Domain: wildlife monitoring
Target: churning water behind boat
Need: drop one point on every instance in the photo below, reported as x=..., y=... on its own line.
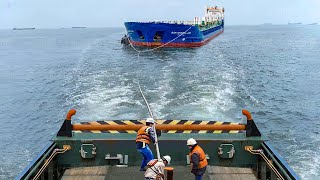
x=271, y=70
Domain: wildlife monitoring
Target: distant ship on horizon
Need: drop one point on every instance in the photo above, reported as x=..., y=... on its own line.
x=294, y=23
x=23, y=28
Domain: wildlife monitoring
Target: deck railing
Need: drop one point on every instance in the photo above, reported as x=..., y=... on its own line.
x=279, y=162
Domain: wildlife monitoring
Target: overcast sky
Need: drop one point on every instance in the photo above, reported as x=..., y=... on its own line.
x=112, y=13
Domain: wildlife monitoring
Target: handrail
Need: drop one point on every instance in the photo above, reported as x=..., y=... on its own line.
x=275, y=156
x=276, y=159
x=28, y=171
x=47, y=162
x=269, y=163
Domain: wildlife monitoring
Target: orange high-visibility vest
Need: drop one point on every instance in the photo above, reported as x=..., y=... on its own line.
x=199, y=151
x=142, y=135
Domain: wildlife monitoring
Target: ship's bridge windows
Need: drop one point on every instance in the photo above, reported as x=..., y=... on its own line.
x=141, y=36
x=158, y=36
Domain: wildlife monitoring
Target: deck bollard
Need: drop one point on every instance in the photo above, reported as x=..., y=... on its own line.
x=169, y=172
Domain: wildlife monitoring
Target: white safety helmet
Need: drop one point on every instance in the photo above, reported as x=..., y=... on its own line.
x=167, y=158
x=150, y=120
x=191, y=142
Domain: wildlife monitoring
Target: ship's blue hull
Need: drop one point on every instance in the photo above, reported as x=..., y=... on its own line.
x=170, y=34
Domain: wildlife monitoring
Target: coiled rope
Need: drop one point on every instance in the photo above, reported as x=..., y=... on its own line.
x=163, y=45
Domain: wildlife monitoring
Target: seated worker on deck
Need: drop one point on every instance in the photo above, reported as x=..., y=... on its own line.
x=144, y=136
x=155, y=169
x=197, y=158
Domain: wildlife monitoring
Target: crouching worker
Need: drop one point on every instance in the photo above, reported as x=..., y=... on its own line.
x=197, y=158
x=144, y=136
x=155, y=169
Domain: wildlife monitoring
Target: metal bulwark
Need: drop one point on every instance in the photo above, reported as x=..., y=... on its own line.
x=33, y=166
x=279, y=161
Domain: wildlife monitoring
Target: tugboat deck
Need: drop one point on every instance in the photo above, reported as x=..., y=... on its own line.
x=100, y=150
x=131, y=173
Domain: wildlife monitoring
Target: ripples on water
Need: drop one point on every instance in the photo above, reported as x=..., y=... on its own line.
x=271, y=70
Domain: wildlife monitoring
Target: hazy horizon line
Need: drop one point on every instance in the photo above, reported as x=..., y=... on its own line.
x=83, y=27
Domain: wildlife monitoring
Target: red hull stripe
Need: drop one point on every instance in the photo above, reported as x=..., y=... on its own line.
x=187, y=44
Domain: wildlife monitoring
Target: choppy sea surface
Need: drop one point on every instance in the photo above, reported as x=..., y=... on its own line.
x=273, y=71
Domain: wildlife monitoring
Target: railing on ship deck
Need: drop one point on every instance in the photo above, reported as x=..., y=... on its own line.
x=279, y=162
x=172, y=22
x=34, y=165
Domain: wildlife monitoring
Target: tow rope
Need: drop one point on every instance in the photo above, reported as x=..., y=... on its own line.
x=153, y=127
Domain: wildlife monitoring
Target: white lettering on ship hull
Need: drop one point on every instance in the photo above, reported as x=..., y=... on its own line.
x=180, y=32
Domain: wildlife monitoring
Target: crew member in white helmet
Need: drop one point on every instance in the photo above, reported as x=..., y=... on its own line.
x=197, y=158
x=155, y=169
x=145, y=135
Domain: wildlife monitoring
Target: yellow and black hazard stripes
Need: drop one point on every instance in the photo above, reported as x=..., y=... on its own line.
x=160, y=123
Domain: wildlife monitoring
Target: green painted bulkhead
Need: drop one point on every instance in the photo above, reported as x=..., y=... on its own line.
x=169, y=144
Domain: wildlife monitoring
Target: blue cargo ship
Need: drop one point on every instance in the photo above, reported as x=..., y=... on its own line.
x=177, y=33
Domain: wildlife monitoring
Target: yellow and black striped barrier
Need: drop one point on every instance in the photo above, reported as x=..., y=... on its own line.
x=166, y=126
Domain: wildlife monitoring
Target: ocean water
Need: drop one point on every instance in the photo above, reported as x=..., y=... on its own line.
x=273, y=71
